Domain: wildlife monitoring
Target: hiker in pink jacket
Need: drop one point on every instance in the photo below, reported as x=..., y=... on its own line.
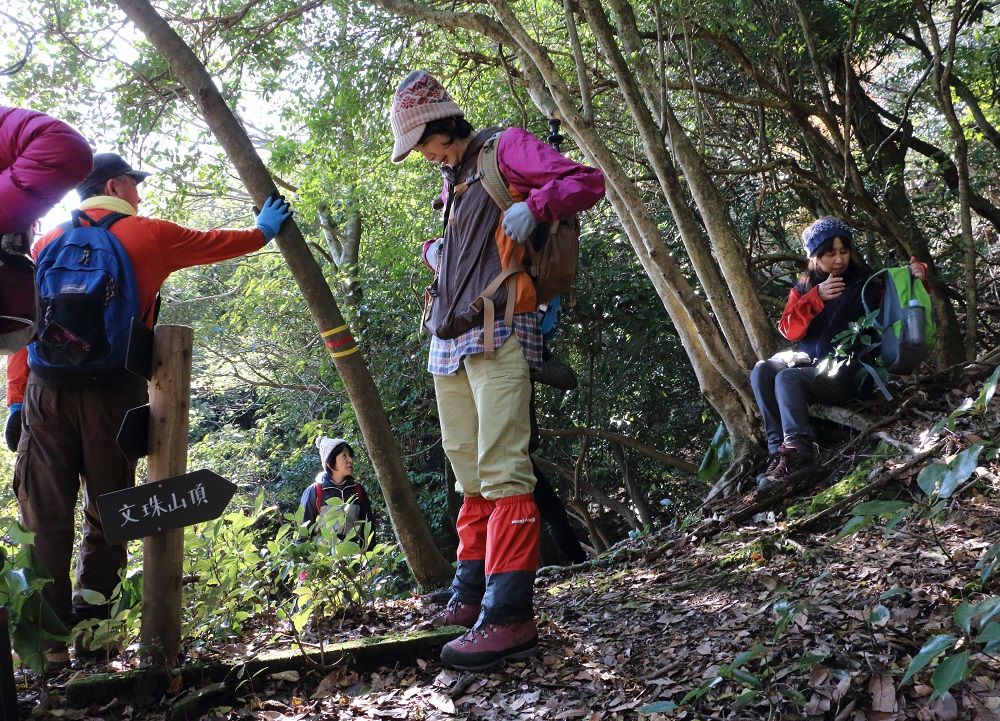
x=41, y=159
x=483, y=396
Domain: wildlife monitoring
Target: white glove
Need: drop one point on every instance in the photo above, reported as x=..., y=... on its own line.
x=518, y=222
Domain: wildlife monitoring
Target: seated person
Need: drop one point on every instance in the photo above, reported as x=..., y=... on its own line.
x=335, y=481
x=824, y=302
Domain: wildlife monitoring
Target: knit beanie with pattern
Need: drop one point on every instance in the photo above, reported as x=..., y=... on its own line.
x=824, y=229
x=419, y=99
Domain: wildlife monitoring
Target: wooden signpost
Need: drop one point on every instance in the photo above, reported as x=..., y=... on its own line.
x=158, y=510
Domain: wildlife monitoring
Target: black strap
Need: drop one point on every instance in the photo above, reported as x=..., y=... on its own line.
x=447, y=208
x=106, y=222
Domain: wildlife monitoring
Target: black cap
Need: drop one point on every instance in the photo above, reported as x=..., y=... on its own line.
x=106, y=167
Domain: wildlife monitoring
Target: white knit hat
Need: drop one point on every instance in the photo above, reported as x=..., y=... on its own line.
x=329, y=448
x=419, y=99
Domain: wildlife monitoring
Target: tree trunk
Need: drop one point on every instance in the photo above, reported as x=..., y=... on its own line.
x=425, y=561
x=343, y=240
x=942, y=64
x=639, y=500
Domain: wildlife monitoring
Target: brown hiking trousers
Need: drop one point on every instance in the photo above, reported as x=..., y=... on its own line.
x=68, y=440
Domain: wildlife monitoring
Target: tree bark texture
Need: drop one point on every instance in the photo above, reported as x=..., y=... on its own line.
x=163, y=554
x=424, y=559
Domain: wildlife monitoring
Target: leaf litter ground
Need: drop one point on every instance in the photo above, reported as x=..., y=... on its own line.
x=662, y=617
x=751, y=622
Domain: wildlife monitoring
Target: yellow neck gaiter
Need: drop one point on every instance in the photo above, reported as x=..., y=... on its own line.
x=107, y=202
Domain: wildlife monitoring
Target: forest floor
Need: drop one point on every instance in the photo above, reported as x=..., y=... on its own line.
x=761, y=619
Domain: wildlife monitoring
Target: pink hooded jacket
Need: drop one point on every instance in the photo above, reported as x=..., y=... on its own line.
x=41, y=159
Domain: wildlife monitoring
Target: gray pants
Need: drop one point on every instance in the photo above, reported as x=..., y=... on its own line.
x=784, y=394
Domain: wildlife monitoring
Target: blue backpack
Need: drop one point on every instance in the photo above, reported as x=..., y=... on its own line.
x=89, y=297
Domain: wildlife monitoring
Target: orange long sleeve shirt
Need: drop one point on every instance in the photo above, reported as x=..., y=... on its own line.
x=157, y=248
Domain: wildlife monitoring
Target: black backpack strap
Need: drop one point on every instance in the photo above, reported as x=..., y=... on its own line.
x=110, y=219
x=106, y=222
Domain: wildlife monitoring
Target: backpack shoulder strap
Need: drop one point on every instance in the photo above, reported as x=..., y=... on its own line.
x=106, y=222
x=864, y=288
x=110, y=219
x=319, y=496
x=489, y=170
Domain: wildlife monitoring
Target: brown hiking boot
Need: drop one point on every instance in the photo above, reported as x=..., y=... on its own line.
x=790, y=460
x=488, y=645
x=460, y=614
x=772, y=463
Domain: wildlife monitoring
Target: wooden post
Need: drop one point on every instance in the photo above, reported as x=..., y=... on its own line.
x=162, y=563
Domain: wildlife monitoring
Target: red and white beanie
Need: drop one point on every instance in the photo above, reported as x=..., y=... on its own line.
x=419, y=99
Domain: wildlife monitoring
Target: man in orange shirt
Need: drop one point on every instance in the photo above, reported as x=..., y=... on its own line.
x=69, y=428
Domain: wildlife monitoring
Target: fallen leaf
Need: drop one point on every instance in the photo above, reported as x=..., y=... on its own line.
x=883, y=692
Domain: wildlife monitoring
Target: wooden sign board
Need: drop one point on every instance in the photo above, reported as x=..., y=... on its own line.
x=175, y=502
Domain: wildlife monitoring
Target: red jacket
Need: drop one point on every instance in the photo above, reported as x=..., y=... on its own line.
x=157, y=248
x=41, y=159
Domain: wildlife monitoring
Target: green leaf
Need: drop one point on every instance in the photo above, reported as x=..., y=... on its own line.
x=748, y=655
x=893, y=592
x=700, y=691
x=93, y=597
x=808, y=660
x=880, y=508
x=950, y=420
x=935, y=646
x=17, y=583
x=989, y=388
x=657, y=707
x=20, y=535
x=987, y=609
x=963, y=616
x=987, y=570
x=879, y=616
x=746, y=698
x=26, y=640
x=959, y=470
x=853, y=526
x=949, y=672
x=991, y=553
x=990, y=633
x=794, y=695
x=786, y=612
x=50, y=622
x=892, y=521
x=930, y=477
x=745, y=677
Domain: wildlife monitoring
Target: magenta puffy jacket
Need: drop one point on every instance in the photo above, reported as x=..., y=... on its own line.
x=41, y=159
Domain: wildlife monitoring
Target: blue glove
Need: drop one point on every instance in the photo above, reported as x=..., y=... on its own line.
x=518, y=222
x=272, y=215
x=12, y=431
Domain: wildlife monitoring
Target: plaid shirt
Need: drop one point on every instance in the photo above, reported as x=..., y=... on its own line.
x=446, y=355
